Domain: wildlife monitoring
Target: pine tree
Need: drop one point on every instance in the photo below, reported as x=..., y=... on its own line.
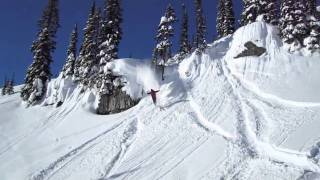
x=112, y=99
x=110, y=36
x=225, y=18
x=201, y=28
x=287, y=21
x=104, y=49
x=87, y=61
x=111, y=32
x=301, y=30
x=114, y=20
x=251, y=10
x=69, y=67
x=230, y=19
x=185, y=47
x=162, y=51
x=220, y=18
x=312, y=42
x=49, y=20
x=4, y=87
x=269, y=11
x=193, y=43
x=262, y=9
x=293, y=25
x=311, y=6
x=39, y=72
x=103, y=32
x=98, y=24
x=10, y=86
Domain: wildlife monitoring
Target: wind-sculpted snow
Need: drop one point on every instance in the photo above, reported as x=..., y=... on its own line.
x=216, y=117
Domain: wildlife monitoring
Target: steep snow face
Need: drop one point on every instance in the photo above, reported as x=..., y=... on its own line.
x=216, y=118
x=289, y=76
x=59, y=90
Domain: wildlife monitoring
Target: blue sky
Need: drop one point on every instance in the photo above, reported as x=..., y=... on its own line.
x=19, y=26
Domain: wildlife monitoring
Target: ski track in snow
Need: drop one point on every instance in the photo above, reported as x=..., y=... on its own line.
x=202, y=121
x=270, y=99
x=55, y=116
x=248, y=140
x=262, y=149
x=64, y=160
x=154, y=144
x=193, y=150
x=129, y=137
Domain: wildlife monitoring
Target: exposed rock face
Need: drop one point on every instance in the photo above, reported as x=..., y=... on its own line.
x=117, y=102
x=252, y=50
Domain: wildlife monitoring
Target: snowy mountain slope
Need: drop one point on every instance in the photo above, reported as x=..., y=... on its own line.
x=217, y=118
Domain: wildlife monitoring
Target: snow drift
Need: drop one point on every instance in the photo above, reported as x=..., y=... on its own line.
x=217, y=118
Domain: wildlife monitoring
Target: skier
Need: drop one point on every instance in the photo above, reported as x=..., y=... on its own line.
x=153, y=94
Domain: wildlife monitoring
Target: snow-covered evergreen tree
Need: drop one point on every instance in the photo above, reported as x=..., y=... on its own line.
x=110, y=36
x=220, y=19
x=301, y=29
x=185, y=47
x=50, y=20
x=201, y=28
x=114, y=20
x=193, y=43
x=293, y=24
x=98, y=17
x=38, y=73
x=229, y=26
x=87, y=60
x=111, y=97
x=287, y=21
x=269, y=11
x=68, y=69
x=105, y=77
x=10, y=87
x=312, y=42
x=162, y=50
x=111, y=33
x=251, y=10
x=4, y=87
x=311, y=6
x=265, y=10
x=102, y=35
x=225, y=18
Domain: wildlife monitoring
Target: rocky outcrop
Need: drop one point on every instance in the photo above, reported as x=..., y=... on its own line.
x=116, y=102
x=251, y=50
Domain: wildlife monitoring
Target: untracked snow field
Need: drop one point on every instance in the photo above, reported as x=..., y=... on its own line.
x=216, y=118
